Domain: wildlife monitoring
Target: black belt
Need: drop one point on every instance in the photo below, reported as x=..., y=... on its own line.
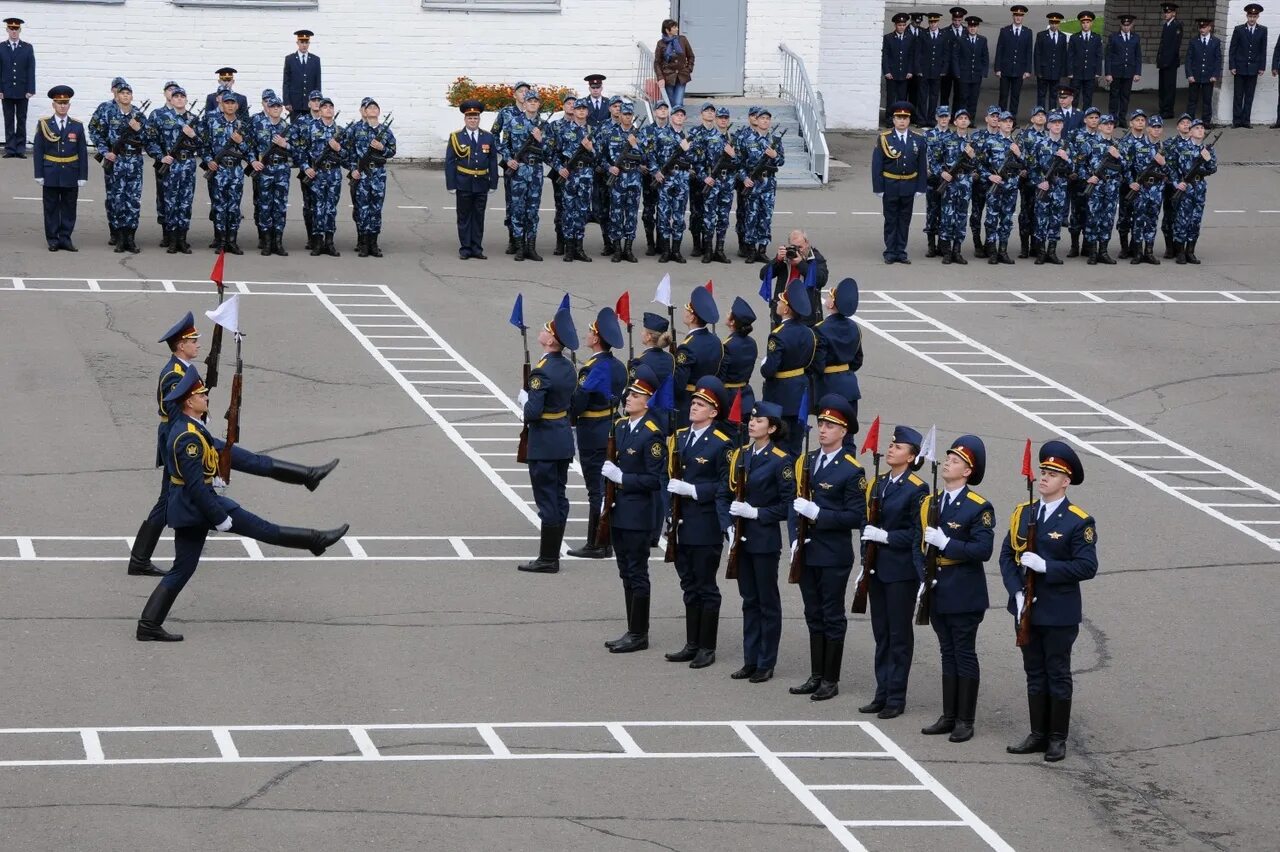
x=327, y=167
x=229, y=162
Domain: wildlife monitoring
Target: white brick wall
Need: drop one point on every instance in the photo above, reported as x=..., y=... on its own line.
x=402, y=55
x=791, y=22
x=848, y=75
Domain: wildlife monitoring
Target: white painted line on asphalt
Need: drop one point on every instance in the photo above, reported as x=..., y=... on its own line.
x=460, y=547
x=1228, y=211
x=866, y=787
x=361, y=738
x=353, y=544
x=226, y=746
x=416, y=207
x=493, y=741
x=251, y=548
x=629, y=745
x=27, y=548
x=92, y=746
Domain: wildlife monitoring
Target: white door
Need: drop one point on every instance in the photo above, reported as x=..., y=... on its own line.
x=717, y=31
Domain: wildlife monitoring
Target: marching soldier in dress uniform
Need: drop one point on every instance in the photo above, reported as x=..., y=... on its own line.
x=121, y=126
x=964, y=538
x=546, y=411
x=699, y=478
x=898, y=173
x=301, y=75
x=1084, y=59
x=271, y=160
x=700, y=353
x=471, y=173
x=368, y=144
x=637, y=474
x=592, y=411
x=790, y=353
x=893, y=583
x=1064, y=555
x=836, y=507
x=838, y=356
x=740, y=353
x=194, y=507
x=61, y=160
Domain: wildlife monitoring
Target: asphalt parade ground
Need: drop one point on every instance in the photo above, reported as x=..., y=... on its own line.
x=410, y=689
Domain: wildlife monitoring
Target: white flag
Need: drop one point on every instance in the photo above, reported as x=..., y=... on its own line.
x=227, y=314
x=663, y=296
x=929, y=449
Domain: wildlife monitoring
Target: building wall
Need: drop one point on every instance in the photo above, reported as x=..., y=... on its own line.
x=1264, y=99
x=848, y=73
x=794, y=23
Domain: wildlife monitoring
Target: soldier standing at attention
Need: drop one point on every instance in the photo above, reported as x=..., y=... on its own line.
x=740, y=353
x=61, y=160
x=1105, y=199
x=1049, y=154
x=1204, y=68
x=18, y=85
x=1002, y=195
x=898, y=61
x=1050, y=60
x=952, y=36
x=1081, y=144
x=1169, y=57
x=899, y=172
x=935, y=61
x=226, y=149
x=500, y=126
x=673, y=185
x=1084, y=59
x=573, y=140
x=791, y=349
x=969, y=62
x=301, y=75
x=298, y=129
x=174, y=144
x=1190, y=212
x=1124, y=66
x=1247, y=59
x=697, y=189
x=1013, y=60
x=714, y=170
x=1027, y=137
x=471, y=173
x=121, y=126
x=956, y=190
x=322, y=169
x=554, y=129
x=368, y=146
x=166, y=238
x=101, y=115
x=271, y=158
x=1065, y=555
x=981, y=186
x=622, y=153
x=255, y=122
x=522, y=150
x=649, y=193
x=1138, y=151
x=935, y=140
x=760, y=158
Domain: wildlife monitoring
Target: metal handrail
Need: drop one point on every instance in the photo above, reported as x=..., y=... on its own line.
x=798, y=90
x=643, y=74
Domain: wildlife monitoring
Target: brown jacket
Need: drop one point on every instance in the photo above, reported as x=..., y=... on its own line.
x=679, y=70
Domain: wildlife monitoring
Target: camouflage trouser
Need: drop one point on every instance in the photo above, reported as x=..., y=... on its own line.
x=759, y=201
x=526, y=196
x=177, y=191
x=1187, y=216
x=740, y=212
x=1146, y=212
x=308, y=206
x=557, y=195
x=367, y=197
x=1050, y=212
x=716, y=206
x=1102, y=211
x=1124, y=214
x=155, y=166
x=272, y=203
x=124, y=192
x=326, y=193
x=576, y=203
x=1000, y=203
x=227, y=186
x=952, y=218
x=981, y=187
x=624, y=203
x=673, y=197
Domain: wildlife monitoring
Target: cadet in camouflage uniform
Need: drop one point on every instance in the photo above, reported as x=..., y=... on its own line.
x=526, y=173
x=649, y=196
x=1002, y=196
x=1104, y=198
x=554, y=128
x=622, y=156
x=571, y=145
x=1124, y=214
x=1027, y=138
x=1081, y=144
x=673, y=184
x=1049, y=154
x=123, y=173
x=166, y=239
x=101, y=113
x=1139, y=152
x=254, y=121
x=1189, y=213
x=740, y=197
x=715, y=170
x=697, y=189
x=935, y=139
x=298, y=130
x=978, y=139
x=176, y=166
x=760, y=157
x=269, y=142
x=1169, y=148
x=227, y=147
x=600, y=191
x=956, y=189
x=372, y=143
x=317, y=150
x=504, y=116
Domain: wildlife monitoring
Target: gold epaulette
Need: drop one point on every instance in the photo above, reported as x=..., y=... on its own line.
x=653, y=427
x=977, y=498
x=780, y=453
x=1077, y=511
x=914, y=480
x=722, y=436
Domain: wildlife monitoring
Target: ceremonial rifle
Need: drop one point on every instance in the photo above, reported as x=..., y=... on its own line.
x=1197, y=169
x=1151, y=171
x=675, y=153
x=631, y=155
x=529, y=142
x=517, y=319
x=328, y=155
x=806, y=491
x=372, y=158
x=871, y=549
x=230, y=148
x=163, y=168
x=1028, y=546
x=739, y=490
x=674, y=517
x=215, y=348
x=766, y=162
x=925, y=601
x=233, y=415
x=127, y=137
x=610, y=487
x=1055, y=169
x=1109, y=163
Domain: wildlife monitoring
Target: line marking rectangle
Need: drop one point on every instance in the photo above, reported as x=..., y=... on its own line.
x=226, y=745
x=92, y=745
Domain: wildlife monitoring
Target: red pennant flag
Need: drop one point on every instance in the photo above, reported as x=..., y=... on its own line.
x=735, y=410
x=216, y=275
x=710, y=287
x=1026, y=461
x=623, y=308
x=872, y=441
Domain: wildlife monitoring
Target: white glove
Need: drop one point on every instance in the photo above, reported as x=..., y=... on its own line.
x=225, y=526
x=920, y=594
x=40, y=181
x=1018, y=600
x=936, y=537
x=762, y=360
x=611, y=472
x=79, y=183
x=870, y=533
x=681, y=488
x=728, y=533
x=794, y=545
x=743, y=510
x=808, y=508
x=522, y=397
x=1034, y=561
x=879, y=195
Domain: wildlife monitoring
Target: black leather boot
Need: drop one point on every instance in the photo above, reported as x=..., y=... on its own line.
x=173, y=246
x=742, y=249
x=609, y=643
x=708, y=252
x=933, y=246
x=114, y=238
x=609, y=247
x=1003, y=253
x=1091, y=249
x=1180, y=253
x=548, y=561
x=568, y=256
x=1051, y=253
x=966, y=709
x=144, y=544
x=708, y=626
x=650, y=244
x=317, y=245
x=957, y=253
x=184, y=246
x=262, y=239
x=1074, y=251
x=513, y=245
x=1103, y=257
x=833, y=656
x=120, y=241
x=559, y=249
x=1124, y=246
x=578, y=253
x=1025, y=251
x=637, y=638
x=692, y=620
x=229, y=242
x=317, y=541
x=374, y=249
x=719, y=255
x=329, y=248
x=991, y=253
x=297, y=474
x=154, y=614
x=1059, y=727
x=664, y=250
x=266, y=243
x=362, y=245
x=1191, y=253
x=944, y=251
x=697, y=243
x=1168, y=247
x=1149, y=254
x=817, y=648
x=979, y=247
x=617, y=252
x=1135, y=256
x=277, y=244
x=166, y=238
x=589, y=550
x=1038, y=739
x=676, y=256
x=626, y=252
x=947, y=721
x=1042, y=257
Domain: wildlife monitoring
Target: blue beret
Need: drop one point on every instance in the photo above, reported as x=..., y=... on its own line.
x=1057, y=116
x=907, y=435
x=1156, y=121
x=314, y=95
x=943, y=110
x=185, y=327
x=364, y=102
x=974, y=453
x=273, y=101
x=847, y=297
x=703, y=305
x=834, y=408
x=628, y=109
x=655, y=322
x=712, y=391
x=722, y=112
x=1093, y=110
x=191, y=383
x=797, y=298
x=741, y=309
x=643, y=380
x=562, y=328
x=606, y=326
x=268, y=93
x=767, y=409
x=1059, y=456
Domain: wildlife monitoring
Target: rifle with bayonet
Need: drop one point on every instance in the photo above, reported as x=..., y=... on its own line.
x=215, y=348
x=233, y=415
x=184, y=141
x=1196, y=170
x=128, y=137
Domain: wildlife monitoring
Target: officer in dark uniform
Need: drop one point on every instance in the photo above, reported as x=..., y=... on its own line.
x=970, y=60
x=301, y=75
x=700, y=353
x=1247, y=59
x=597, y=103
x=546, y=411
x=1063, y=556
x=18, y=85
x=1084, y=59
x=898, y=61
x=213, y=100
x=1204, y=69
x=790, y=353
x=637, y=475
x=838, y=356
x=191, y=463
x=471, y=172
x=1124, y=67
x=1072, y=118
x=1169, y=57
x=699, y=479
x=964, y=537
x=1050, y=61
x=1013, y=59
x=740, y=353
x=61, y=160
x=950, y=92
x=892, y=585
x=898, y=174
x=593, y=410
x=935, y=61
x=836, y=506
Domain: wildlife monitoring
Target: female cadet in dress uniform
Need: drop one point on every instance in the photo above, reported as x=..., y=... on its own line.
x=656, y=338
x=790, y=353
x=893, y=584
x=839, y=353
x=835, y=507
x=770, y=490
x=965, y=538
x=1064, y=556
x=740, y=353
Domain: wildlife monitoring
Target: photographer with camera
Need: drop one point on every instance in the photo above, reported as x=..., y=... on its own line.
x=793, y=261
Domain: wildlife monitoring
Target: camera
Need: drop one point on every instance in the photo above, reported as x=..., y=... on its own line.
x=793, y=252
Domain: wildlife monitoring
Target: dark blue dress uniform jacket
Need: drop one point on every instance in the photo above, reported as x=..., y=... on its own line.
x=1170, y=50
x=658, y=360
x=213, y=104
x=899, y=506
x=170, y=376
x=840, y=490
x=935, y=55
x=1124, y=58
x=898, y=56
x=1084, y=56
x=771, y=488
x=1050, y=58
x=551, y=385
x=191, y=463
x=1246, y=55
x=698, y=355
x=593, y=411
x=1204, y=61
x=642, y=457
x=17, y=70
x=1068, y=542
x=299, y=81
x=838, y=357
x=970, y=523
x=909, y=170
x=705, y=466
x=65, y=161
x=970, y=60
x=791, y=346
x=1013, y=53
x=739, y=362
x=475, y=172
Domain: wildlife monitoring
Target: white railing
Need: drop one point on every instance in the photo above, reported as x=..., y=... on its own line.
x=798, y=90
x=642, y=78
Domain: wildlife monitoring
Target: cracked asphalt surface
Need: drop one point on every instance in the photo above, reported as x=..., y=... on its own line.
x=1174, y=729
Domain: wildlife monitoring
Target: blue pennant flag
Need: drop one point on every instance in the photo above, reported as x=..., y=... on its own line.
x=665, y=398
x=597, y=379
x=811, y=276
x=517, y=313
x=804, y=410
x=766, y=286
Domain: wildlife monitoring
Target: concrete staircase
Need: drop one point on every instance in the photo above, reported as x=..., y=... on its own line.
x=794, y=173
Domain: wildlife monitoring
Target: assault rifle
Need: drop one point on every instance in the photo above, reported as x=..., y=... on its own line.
x=233, y=417
x=128, y=136
x=373, y=158
x=725, y=162
x=184, y=141
x=1108, y=164
x=676, y=153
x=1055, y=170
x=766, y=162
x=230, y=148
x=924, y=603
x=674, y=517
x=1196, y=170
x=610, y=491
x=1151, y=172
x=530, y=141
x=578, y=160
x=632, y=155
